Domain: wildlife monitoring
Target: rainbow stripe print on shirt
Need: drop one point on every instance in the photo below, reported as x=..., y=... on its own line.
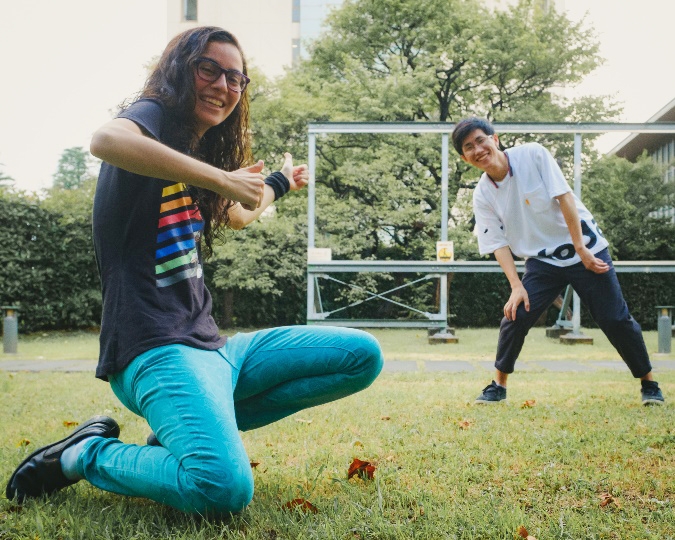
x=179, y=231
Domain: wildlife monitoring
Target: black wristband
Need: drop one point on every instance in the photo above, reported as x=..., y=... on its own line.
x=279, y=183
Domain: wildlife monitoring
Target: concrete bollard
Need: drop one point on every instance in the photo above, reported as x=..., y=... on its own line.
x=665, y=325
x=10, y=336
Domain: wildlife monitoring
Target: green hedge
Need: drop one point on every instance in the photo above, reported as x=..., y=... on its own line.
x=477, y=300
x=643, y=292
x=48, y=267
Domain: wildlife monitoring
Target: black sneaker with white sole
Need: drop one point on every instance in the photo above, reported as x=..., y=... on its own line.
x=651, y=393
x=492, y=393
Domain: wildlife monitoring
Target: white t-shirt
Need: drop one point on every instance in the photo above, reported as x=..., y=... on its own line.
x=523, y=214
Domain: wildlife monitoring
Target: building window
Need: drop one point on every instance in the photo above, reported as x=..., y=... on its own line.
x=296, y=11
x=189, y=10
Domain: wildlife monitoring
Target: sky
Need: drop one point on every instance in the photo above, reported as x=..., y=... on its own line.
x=66, y=65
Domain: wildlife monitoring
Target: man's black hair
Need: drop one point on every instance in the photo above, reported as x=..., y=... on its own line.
x=465, y=127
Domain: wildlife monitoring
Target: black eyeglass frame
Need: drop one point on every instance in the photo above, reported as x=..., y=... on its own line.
x=220, y=71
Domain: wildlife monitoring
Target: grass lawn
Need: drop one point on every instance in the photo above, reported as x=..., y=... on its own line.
x=568, y=456
x=475, y=344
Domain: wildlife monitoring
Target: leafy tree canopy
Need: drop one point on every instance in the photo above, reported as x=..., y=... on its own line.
x=5, y=180
x=380, y=196
x=419, y=60
x=623, y=197
x=72, y=195
x=440, y=60
x=74, y=168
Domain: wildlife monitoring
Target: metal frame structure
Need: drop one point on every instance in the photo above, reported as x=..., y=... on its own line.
x=433, y=269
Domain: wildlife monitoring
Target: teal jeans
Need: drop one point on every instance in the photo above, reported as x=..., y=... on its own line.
x=197, y=401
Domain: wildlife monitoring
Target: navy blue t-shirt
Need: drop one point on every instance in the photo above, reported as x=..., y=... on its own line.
x=147, y=240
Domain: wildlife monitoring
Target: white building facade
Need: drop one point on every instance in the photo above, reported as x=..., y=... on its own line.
x=268, y=30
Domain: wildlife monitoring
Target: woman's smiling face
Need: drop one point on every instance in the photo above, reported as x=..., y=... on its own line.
x=214, y=101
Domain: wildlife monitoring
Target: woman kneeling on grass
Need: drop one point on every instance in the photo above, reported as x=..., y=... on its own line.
x=163, y=193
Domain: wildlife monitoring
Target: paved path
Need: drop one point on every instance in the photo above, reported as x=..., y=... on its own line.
x=392, y=366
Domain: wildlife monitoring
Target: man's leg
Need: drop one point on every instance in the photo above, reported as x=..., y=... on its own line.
x=543, y=283
x=601, y=294
x=284, y=370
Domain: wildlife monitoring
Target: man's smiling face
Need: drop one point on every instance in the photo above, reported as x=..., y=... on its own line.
x=481, y=150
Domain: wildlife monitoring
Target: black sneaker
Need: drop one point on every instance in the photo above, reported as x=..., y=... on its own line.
x=492, y=393
x=152, y=440
x=651, y=393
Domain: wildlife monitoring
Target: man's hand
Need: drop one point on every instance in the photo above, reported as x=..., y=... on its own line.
x=569, y=210
x=591, y=262
x=297, y=176
x=518, y=296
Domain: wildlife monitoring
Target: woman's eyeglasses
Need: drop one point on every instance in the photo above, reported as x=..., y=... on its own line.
x=209, y=70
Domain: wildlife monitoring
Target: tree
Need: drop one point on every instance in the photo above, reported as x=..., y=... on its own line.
x=72, y=205
x=73, y=169
x=5, y=180
x=72, y=194
x=255, y=275
x=623, y=197
x=428, y=60
x=414, y=60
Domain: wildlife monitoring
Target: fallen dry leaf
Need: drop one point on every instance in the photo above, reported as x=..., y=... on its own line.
x=364, y=469
x=70, y=423
x=303, y=504
x=357, y=443
x=254, y=464
x=522, y=532
x=607, y=498
x=528, y=404
x=464, y=424
x=385, y=418
x=23, y=442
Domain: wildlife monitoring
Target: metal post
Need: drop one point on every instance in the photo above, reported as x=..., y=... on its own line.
x=311, y=190
x=444, y=297
x=576, y=336
x=576, y=302
x=310, y=296
x=444, y=234
x=11, y=330
x=444, y=187
x=311, y=196
x=562, y=325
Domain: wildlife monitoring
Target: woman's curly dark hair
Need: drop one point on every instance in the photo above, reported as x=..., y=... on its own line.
x=227, y=145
